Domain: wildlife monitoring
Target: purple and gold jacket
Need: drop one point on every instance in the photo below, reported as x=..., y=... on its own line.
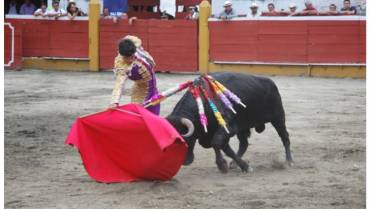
x=141, y=71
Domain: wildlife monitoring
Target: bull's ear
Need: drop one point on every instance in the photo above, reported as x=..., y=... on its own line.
x=189, y=125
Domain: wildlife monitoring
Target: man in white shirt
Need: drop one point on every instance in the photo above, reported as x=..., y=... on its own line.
x=42, y=11
x=228, y=12
x=56, y=12
x=254, y=10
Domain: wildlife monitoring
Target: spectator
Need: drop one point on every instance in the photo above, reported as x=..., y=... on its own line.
x=123, y=16
x=332, y=10
x=292, y=9
x=106, y=15
x=193, y=13
x=347, y=9
x=271, y=8
x=27, y=8
x=228, y=12
x=271, y=11
x=310, y=9
x=12, y=8
x=73, y=11
x=254, y=10
x=42, y=11
x=56, y=12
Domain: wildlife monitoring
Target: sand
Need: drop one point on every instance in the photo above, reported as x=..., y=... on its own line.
x=325, y=119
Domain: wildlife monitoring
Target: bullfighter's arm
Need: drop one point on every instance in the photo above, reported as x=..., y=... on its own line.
x=118, y=87
x=120, y=69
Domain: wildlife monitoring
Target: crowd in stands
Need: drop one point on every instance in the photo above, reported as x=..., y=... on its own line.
x=29, y=8
x=192, y=13
x=229, y=12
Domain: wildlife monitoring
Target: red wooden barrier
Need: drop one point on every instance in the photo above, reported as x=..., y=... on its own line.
x=48, y=38
x=144, y=15
x=173, y=44
x=302, y=41
x=362, y=41
x=334, y=41
x=13, y=51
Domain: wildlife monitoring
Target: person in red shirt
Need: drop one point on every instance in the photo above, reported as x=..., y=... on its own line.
x=309, y=10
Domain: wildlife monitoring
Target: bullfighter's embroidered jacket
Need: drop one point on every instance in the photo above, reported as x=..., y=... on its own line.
x=141, y=71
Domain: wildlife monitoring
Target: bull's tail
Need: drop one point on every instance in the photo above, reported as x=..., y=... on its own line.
x=260, y=128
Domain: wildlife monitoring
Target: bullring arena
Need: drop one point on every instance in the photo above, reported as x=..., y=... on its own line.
x=323, y=97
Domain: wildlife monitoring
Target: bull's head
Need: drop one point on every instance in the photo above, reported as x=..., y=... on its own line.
x=186, y=128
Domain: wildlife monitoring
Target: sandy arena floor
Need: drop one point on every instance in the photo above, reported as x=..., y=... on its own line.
x=325, y=119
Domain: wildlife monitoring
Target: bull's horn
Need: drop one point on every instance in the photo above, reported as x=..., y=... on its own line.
x=186, y=122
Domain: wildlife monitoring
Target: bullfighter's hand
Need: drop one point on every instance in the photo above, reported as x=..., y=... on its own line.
x=113, y=106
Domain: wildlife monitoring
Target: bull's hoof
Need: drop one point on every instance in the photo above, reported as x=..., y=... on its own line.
x=188, y=160
x=222, y=166
x=245, y=167
x=233, y=165
x=290, y=163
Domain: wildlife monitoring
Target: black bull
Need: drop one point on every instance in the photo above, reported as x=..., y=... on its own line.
x=264, y=105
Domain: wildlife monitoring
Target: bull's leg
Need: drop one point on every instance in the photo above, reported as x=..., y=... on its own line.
x=220, y=161
x=280, y=127
x=243, y=142
x=241, y=163
x=190, y=154
x=219, y=140
x=243, y=145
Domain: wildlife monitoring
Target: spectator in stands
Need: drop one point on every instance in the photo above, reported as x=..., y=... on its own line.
x=228, y=12
x=106, y=15
x=254, y=10
x=292, y=9
x=271, y=8
x=347, y=9
x=123, y=16
x=332, y=10
x=271, y=11
x=73, y=11
x=42, y=11
x=56, y=12
x=310, y=9
x=12, y=8
x=27, y=8
x=193, y=13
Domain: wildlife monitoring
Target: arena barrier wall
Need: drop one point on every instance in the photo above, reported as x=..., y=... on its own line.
x=303, y=40
x=52, y=38
x=12, y=46
x=332, y=46
x=173, y=43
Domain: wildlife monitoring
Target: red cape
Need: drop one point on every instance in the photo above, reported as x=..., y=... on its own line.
x=128, y=145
